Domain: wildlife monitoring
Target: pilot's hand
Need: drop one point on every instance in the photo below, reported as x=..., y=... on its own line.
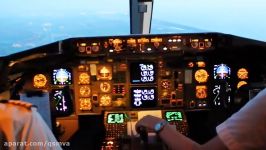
x=148, y=122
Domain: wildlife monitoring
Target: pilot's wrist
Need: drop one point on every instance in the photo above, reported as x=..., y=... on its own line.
x=159, y=126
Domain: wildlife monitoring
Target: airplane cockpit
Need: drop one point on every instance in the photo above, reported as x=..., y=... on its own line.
x=91, y=91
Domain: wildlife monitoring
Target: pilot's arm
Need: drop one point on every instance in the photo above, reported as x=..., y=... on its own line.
x=22, y=127
x=245, y=129
x=175, y=140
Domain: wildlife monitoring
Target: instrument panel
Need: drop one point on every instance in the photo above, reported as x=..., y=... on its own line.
x=188, y=71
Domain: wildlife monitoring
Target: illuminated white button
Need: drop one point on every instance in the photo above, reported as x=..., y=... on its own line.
x=111, y=50
x=170, y=40
x=165, y=48
x=148, y=49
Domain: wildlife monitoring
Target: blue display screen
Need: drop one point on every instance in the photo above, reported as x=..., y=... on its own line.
x=62, y=76
x=222, y=71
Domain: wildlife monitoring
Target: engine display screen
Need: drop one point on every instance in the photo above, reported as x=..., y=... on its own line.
x=144, y=72
x=62, y=76
x=115, y=118
x=143, y=97
x=62, y=102
x=173, y=116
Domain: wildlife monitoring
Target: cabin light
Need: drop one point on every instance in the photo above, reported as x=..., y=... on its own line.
x=165, y=48
x=111, y=50
x=179, y=40
x=149, y=49
x=174, y=40
x=170, y=40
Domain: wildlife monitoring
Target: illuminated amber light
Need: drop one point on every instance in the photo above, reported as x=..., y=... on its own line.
x=194, y=40
x=208, y=42
x=105, y=87
x=84, y=78
x=165, y=94
x=156, y=40
x=104, y=73
x=242, y=73
x=131, y=41
x=82, y=49
x=201, y=76
x=85, y=104
x=241, y=83
x=117, y=45
x=201, y=92
x=117, y=41
x=105, y=100
x=165, y=84
x=95, y=48
x=201, y=64
x=190, y=64
x=105, y=45
x=118, y=103
x=83, y=44
x=81, y=67
x=85, y=91
x=39, y=81
x=194, y=44
x=143, y=40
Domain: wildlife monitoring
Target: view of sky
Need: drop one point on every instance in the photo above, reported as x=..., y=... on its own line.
x=30, y=23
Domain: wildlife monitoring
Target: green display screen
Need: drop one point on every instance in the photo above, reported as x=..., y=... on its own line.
x=173, y=116
x=115, y=118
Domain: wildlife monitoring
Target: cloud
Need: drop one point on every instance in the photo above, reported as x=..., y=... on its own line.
x=176, y=28
x=16, y=45
x=46, y=26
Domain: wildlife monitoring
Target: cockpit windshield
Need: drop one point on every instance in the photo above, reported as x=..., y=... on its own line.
x=32, y=23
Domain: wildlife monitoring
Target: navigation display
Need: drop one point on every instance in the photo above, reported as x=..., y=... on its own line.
x=143, y=97
x=62, y=76
x=173, y=116
x=62, y=102
x=142, y=72
x=115, y=118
